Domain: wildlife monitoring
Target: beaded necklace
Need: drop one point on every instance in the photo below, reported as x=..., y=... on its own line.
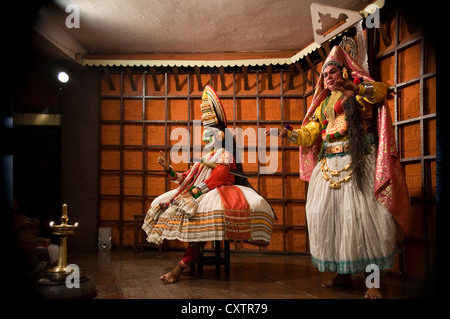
x=335, y=184
x=338, y=117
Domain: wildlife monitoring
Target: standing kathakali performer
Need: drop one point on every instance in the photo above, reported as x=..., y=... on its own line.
x=357, y=196
x=211, y=203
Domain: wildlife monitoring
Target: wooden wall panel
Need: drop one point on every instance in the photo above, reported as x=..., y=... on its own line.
x=155, y=135
x=293, y=109
x=406, y=61
x=132, y=134
x=109, y=209
x=295, y=214
x=132, y=184
x=154, y=109
x=110, y=184
x=110, y=134
x=111, y=159
x=177, y=110
x=296, y=240
x=409, y=102
x=110, y=109
x=132, y=110
x=295, y=188
x=408, y=68
x=130, y=207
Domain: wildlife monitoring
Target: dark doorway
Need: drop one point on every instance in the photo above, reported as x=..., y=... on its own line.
x=37, y=173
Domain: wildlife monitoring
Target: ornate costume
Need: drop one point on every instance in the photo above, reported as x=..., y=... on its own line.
x=349, y=226
x=208, y=205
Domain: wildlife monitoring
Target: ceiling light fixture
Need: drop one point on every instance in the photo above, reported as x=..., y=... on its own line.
x=63, y=77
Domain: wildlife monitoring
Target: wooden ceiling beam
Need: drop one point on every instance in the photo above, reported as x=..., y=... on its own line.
x=222, y=78
x=177, y=79
x=199, y=78
x=244, y=71
x=291, y=76
x=155, y=79
x=108, y=79
x=130, y=77
x=305, y=76
x=269, y=77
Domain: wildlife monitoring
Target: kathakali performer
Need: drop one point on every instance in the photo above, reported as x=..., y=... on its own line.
x=211, y=203
x=357, y=197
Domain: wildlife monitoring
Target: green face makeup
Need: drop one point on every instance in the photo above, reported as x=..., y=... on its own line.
x=207, y=136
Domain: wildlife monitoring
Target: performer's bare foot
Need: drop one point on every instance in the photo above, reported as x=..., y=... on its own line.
x=172, y=276
x=373, y=293
x=341, y=280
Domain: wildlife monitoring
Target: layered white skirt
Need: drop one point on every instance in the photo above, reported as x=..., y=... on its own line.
x=205, y=219
x=348, y=229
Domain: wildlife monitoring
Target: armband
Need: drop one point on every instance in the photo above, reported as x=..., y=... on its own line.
x=365, y=89
x=294, y=136
x=203, y=187
x=173, y=175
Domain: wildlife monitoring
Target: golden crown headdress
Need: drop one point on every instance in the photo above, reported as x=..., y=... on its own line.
x=213, y=113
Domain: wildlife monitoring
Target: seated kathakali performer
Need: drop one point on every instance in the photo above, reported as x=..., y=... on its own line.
x=211, y=202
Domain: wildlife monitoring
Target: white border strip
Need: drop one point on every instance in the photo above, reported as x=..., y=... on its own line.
x=207, y=63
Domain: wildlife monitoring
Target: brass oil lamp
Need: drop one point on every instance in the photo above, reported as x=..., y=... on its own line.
x=53, y=285
x=63, y=230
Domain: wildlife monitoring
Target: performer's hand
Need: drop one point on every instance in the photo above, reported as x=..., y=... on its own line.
x=347, y=87
x=282, y=133
x=162, y=161
x=194, y=192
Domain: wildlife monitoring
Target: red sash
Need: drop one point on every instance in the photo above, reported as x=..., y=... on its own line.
x=237, y=213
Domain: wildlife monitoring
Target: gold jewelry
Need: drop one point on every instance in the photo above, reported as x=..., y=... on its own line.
x=337, y=149
x=335, y=184
x=344, y=73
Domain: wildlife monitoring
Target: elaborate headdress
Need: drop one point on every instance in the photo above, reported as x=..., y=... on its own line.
x=213, y=113
x=390, y=185
x=342, y=59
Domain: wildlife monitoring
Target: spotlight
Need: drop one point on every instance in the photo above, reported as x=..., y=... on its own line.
x=63, y=77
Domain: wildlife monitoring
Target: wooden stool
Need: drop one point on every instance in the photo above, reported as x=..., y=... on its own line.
x=216, y=259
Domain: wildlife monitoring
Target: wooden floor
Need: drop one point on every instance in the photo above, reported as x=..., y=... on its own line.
x=124, y=274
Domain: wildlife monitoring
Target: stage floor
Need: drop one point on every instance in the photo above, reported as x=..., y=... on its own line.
x=125, y=274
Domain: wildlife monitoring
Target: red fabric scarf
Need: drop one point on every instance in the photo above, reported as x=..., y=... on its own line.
x=237, y=213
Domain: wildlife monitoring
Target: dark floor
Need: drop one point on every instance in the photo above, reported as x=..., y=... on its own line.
x=124, y=274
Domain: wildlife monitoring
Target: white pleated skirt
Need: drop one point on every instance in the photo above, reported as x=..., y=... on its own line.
x=207, y=223
x=348, y=229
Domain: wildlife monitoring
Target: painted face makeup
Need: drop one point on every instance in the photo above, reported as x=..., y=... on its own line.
x=330, y=75
x=210, y=136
